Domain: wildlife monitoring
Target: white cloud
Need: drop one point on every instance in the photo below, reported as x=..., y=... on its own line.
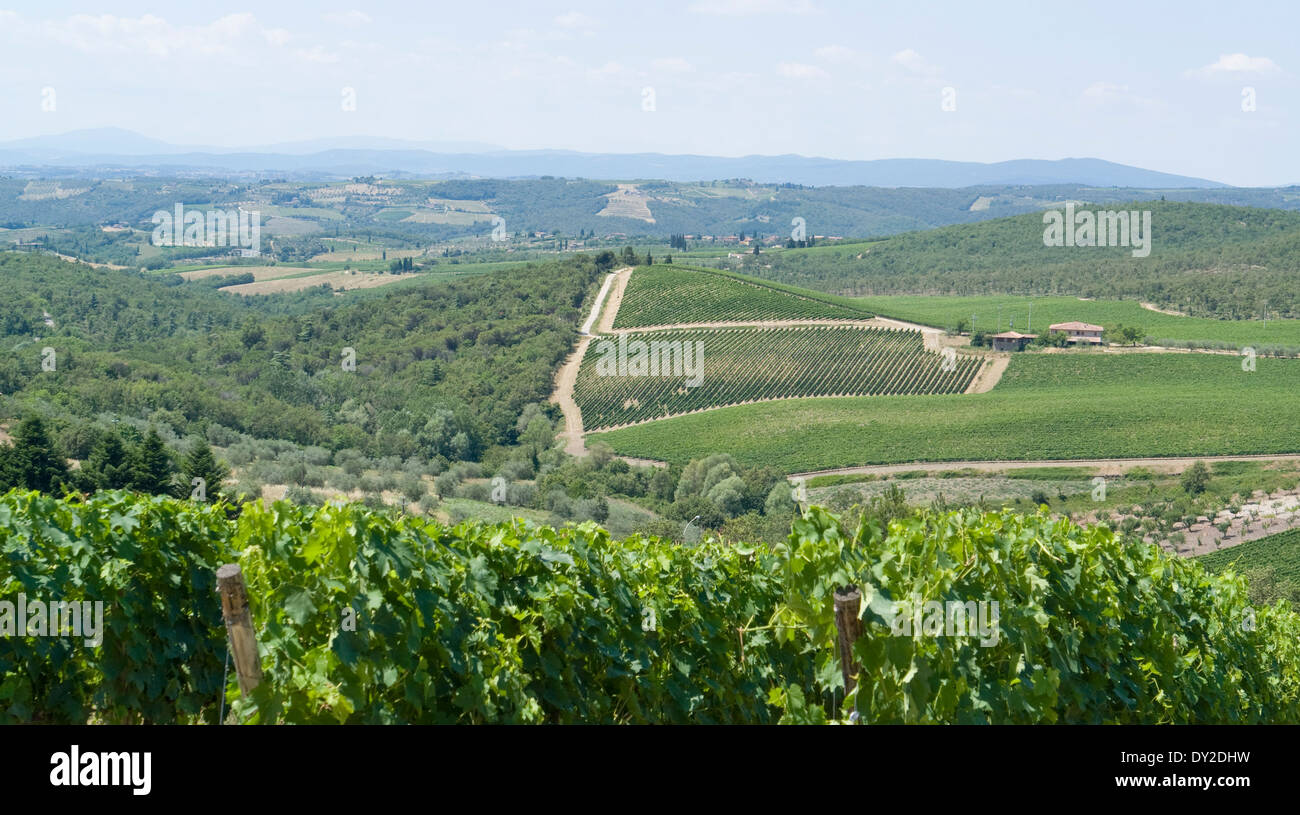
x=349, y=18
x=744, y=8
x=914, y=62
x=1105, y=90
x=836, y=53
x=1237, y=64
x=154, y=36
x=316, y=54
x=1109, y=93
x=608, y=69
x=675, y=65
x=799, y=70
x=575, y=19
x=276, y=36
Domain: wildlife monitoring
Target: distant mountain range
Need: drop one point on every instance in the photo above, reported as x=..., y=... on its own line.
x=106, y=148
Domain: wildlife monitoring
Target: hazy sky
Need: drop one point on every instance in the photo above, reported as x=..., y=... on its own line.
x=1158, y=85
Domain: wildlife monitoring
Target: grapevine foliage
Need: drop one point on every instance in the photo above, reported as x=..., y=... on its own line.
x=151, y=561
x=503, y=623
x=1093, y=628
x=362, y=617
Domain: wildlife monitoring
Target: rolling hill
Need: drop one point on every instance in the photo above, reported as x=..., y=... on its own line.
x=1046, y=406
x=361, y=156
x=1205, y=259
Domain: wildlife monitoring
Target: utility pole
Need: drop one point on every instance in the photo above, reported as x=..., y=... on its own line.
x=1029, y=326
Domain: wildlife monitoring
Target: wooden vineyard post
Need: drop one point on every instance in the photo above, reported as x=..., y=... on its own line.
x=239, y=626
x=848, y=603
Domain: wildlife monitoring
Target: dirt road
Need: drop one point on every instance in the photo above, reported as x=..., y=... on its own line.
x=615, y=300
x=568, y=374
x=585, y=328
x=1159, y=310
x=989, y=374
x=932, y=336
x=90, y=263
x=1102, y=466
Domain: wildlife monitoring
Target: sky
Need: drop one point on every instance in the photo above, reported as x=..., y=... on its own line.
x=1195, y=88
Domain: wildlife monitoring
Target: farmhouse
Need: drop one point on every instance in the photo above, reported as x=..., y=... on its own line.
x=1011, y=340
x=1079, y=332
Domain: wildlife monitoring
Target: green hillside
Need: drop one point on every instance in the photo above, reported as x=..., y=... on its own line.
x=1047, y=406
x=1206, y=260
x=734, y=365
x=669, y=295
x=441, y=368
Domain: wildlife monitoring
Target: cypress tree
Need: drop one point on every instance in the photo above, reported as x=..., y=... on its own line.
x=200, y=463
x=109, y=465
x=151, y=465
x=8, y=478
x=34, y=463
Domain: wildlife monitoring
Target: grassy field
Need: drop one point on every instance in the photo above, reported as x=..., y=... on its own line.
x=944, y=312
x=735, y=365
x=1050, y=406
x=665, y=295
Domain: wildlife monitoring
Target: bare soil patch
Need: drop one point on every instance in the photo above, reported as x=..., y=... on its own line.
x=1157, y=309
x=336, y=280
x=989, y=374
x=628, y=202
x=259, y=272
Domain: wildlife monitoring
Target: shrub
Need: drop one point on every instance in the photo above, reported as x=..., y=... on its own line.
x=1195, y=478
x=344, y=481
x=446, y=483
x=301, y=496
x=413, y=487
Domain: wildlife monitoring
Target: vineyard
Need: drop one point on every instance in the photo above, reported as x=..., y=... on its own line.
x=1046, y=406
x=1272, y=561
x=737, y=365
x=519, y=624
x=670, y=295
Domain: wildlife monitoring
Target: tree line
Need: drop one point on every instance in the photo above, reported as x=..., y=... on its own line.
x=144, y=464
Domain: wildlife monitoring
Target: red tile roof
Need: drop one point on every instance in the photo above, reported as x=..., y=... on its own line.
x=1075, y=326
